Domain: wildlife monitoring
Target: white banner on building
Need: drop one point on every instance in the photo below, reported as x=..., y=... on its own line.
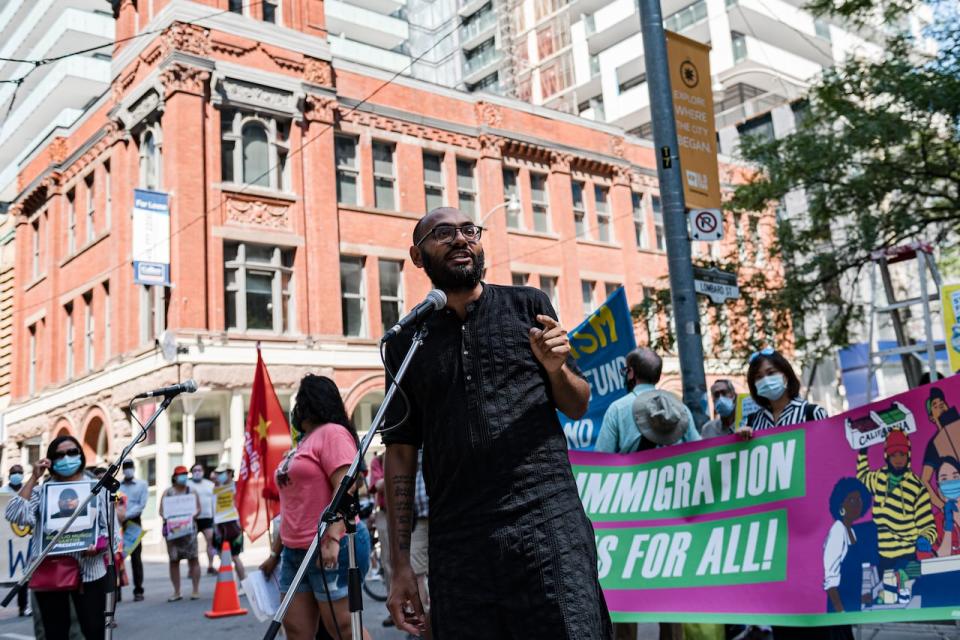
x=151, y=238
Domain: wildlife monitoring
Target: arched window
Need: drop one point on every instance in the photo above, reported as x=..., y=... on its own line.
x=254, y=149
x=149, y=160
x=256, y=154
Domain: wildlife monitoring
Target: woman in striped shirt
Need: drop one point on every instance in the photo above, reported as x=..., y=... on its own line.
x=775, y=388
x=65, y=461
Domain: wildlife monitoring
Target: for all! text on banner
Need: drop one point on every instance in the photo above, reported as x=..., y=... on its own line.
x=851, y=519
x=600, y=345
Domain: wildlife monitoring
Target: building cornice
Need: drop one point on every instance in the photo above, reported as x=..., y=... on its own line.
x=242, y=26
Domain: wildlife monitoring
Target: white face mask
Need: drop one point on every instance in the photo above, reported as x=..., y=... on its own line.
x=128, y=474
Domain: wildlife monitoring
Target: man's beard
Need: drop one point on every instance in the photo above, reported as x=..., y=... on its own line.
x=457, y=278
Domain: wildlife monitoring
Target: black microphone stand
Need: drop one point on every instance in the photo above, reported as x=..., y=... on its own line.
x=112, y=484
x=344, y=506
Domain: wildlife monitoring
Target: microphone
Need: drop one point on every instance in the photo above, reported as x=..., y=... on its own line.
x=434, y=301
x=188, y=386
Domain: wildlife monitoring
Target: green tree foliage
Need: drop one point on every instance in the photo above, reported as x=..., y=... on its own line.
x=877, y=156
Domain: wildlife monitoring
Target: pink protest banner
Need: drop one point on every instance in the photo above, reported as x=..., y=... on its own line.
x=852, y=519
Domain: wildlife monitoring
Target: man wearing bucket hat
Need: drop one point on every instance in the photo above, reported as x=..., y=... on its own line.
x=645, y=418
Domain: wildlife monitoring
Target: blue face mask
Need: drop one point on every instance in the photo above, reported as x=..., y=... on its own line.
x=16, y=479
x=771, y=387
x=67, y=465
x=181, y=479
x=950, y=489
x=724, y=406
x=222, y=478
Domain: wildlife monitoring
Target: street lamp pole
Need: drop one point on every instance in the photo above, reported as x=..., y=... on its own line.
x=512, y=204
x=679, y=265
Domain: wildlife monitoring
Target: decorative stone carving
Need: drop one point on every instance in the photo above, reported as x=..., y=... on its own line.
x=255, y=95
x=230, y=48
x=319, y=109
x=181, y=77
x=622, y=175
x=58, y=149
x=560, y=162
x=489, y=114
x=143, y=107
x=318, y=72
x=618, y=147
x=491, y=146
x=259, y=213
x=384, y=123
x=189, y=38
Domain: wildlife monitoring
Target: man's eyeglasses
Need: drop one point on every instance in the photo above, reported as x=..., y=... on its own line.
x=445, y=234
x=766, y=351
x=62, y=454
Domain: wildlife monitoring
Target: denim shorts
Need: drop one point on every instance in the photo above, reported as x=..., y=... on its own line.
x=314, y=578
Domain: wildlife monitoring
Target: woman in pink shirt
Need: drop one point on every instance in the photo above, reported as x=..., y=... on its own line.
x=307, y=481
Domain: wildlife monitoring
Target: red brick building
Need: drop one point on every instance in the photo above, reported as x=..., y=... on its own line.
x=294, y=182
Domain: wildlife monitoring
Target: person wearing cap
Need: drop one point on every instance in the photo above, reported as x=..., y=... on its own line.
x=621, y=433
x=184, y=547
x=204, y=491
x=901, y=507
x=14, y=484
x=136, y=491
x=229, y=531
x=645, y=418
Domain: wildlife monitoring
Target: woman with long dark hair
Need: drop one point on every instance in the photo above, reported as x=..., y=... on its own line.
x=775, y=387
x=307, y=480
x=66, y=462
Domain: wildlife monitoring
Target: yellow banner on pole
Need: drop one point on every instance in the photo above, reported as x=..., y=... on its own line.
x=693, y=111
x=950, y=301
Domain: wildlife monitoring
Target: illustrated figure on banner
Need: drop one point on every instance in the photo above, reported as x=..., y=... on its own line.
x=850, y=556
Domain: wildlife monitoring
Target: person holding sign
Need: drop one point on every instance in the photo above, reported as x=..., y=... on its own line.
x=179, y=510
x=775, y=387
x=58, y=580
x=226, y=519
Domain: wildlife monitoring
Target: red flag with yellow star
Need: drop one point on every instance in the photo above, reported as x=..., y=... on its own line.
x=266, y=441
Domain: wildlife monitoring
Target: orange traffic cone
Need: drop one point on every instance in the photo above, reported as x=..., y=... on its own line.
x=226, y=602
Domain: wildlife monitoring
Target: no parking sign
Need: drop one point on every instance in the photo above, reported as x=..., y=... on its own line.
x=706, y=224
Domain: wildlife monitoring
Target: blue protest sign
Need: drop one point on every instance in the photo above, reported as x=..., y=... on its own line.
x=600, y=345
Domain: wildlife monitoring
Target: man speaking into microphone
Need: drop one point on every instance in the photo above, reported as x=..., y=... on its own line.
x=511, y=552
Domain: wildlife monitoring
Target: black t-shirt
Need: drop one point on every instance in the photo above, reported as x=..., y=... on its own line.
x=481, y=408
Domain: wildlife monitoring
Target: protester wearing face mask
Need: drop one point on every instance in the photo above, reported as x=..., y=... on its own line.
x=136, y=492
x=14, y=485
x=65, y=461
x=183, y=548
x=229, y=530
x=204, y=490
x=776, y=389
x=725, y=405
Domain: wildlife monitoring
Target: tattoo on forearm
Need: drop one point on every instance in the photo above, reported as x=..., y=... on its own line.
x=403, y=509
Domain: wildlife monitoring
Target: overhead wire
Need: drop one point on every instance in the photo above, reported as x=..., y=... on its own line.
x=243, y=188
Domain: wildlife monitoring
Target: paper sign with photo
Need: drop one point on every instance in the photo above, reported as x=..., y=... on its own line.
x=180, y=527
x=179, y=511
x=59, y=501
x=225, y=508
x=182, y=505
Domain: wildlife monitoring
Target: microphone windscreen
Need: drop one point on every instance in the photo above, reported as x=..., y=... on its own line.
x=190, y=386
x=438, y=298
